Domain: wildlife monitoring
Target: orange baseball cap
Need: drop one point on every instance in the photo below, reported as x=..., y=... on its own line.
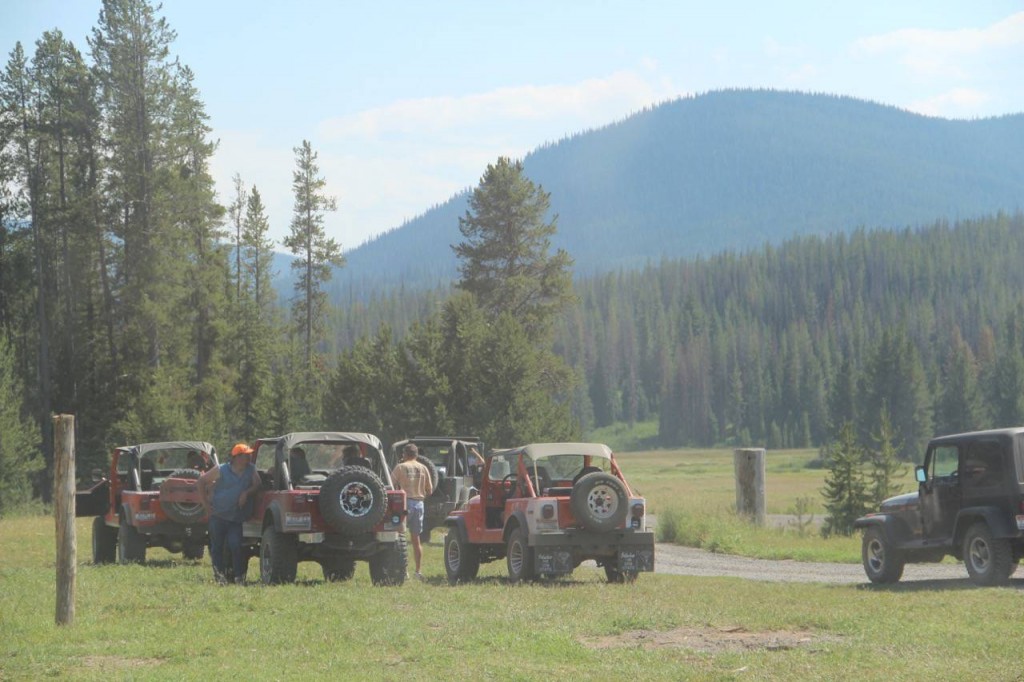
x=241, y=449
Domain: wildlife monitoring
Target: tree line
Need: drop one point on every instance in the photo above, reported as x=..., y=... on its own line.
x=129, y=296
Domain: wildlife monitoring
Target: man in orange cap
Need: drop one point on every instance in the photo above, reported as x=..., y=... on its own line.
x=227, y=493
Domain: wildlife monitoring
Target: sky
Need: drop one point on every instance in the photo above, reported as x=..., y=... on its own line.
x=406, y=103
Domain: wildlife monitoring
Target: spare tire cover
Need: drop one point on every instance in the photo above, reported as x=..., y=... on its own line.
x=599, y=501
x=181, y=501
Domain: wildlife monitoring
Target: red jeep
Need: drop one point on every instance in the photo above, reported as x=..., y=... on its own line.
x=328, y=498
x=149, y=499
x=546, y=508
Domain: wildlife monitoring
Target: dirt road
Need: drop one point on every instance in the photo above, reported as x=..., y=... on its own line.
x=677, y=560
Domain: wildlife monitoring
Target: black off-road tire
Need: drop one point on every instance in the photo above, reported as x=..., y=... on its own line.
x=883, y=563
x=131, y=544
x=104, y=542
x=989, y=560
x=613, y=575
x=389, y=566
x=519, y=557
x=182, y=512
x=432, y=468
x=461, y=559
x=338, y=568
x=353, y=500
x=279, y=557
x=599, y=501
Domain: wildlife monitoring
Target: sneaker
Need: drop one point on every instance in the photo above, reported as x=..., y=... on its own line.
x=419, y=576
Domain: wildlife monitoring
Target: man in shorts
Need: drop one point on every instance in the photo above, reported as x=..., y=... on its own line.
x=414, y=478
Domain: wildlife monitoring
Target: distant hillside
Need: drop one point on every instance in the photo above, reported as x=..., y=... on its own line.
x=731, y=170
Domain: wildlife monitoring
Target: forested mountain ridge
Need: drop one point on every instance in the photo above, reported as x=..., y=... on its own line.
x=779, y=346
x=731, y=170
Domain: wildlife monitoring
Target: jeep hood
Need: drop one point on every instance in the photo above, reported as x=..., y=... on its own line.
x=900, y=502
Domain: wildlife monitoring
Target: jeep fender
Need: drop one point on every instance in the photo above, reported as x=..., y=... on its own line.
x=997, y=522
x=273, y=516
x=457, y=524
x=516, y=520
x=883, y=521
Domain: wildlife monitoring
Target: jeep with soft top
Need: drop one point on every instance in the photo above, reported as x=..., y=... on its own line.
x=328, y=498
x=547, y=507
x=969, y=504
x=149, y=498
x=454, y=473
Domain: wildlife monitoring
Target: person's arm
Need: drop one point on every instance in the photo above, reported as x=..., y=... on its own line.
x=252, y=488
x=205, y=485
x=479, y=457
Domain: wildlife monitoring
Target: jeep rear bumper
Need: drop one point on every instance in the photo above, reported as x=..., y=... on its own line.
x=560, y=552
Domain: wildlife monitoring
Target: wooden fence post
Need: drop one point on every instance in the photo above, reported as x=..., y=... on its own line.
x=748, y=464
x=64, y=512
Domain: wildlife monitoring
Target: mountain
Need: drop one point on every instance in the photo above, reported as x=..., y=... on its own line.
x=730, y=170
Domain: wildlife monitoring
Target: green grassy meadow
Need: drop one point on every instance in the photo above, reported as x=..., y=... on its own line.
x=169, y=620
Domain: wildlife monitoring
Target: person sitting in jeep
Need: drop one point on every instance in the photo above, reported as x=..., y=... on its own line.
x=352, y=457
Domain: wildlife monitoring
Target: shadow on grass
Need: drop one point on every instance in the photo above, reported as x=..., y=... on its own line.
x=933, y=585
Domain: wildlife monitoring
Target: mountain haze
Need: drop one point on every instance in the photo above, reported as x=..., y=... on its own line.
x=731, y=170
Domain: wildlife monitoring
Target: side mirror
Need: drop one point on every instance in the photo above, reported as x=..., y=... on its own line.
x=97, y=475
x=920, y=474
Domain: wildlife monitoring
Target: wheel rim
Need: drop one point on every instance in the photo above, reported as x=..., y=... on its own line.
x=356, y=499
x=980, y=555
x=515, y=558
x=602, y=502
x=876, y=555
x=453, y=557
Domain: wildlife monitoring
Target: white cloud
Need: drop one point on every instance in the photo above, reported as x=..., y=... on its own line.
x=933, y=53
x=589, y=101
x=952, y=102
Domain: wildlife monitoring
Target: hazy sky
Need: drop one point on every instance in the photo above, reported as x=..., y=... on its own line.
x=407, y=102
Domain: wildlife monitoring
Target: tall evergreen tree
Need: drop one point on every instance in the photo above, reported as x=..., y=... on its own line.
x=504, y=257
x=316, y=254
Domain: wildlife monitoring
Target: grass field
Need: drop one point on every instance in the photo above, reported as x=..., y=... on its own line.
x=168, y=620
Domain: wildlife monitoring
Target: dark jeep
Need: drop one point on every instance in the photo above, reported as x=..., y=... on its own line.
x=547, y=507
x=969, y=504
x=148, y=499
x=454, y=472
x=333, y=504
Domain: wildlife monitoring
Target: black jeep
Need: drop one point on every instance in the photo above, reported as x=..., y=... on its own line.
x=969, y=504
x=454, y=472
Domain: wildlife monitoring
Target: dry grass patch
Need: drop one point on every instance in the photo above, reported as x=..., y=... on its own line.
x=708, y=640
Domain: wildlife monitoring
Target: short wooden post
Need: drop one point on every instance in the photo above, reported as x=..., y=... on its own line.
x=64, y=512
x=749, y=468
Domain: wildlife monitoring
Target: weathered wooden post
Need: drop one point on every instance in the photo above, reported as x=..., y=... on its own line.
x=64, y=512
x=748, y=464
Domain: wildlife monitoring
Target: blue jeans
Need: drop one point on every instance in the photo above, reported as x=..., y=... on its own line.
x=224, y=532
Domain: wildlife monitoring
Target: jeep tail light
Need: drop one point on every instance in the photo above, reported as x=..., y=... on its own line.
x=638, y=509
x=547, y=512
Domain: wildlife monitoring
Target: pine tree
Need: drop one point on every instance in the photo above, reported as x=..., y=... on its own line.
x=503, y=258
x=20, y=462
x=316, y=254
x=885, y=466
x=846, y=491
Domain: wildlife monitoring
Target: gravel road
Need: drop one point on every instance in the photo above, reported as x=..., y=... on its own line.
x=678, y=560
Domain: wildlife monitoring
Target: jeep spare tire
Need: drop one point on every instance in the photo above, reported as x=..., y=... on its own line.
x=432, y=468
x=599, y=501
x=180, y=501
x=353, y=500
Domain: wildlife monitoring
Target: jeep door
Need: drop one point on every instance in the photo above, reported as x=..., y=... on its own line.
x=940, y=493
